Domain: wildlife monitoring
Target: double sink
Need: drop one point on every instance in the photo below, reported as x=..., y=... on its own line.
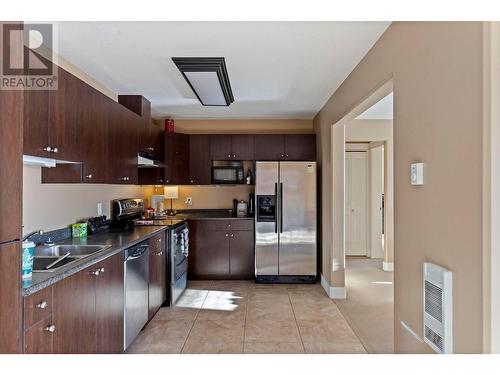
x=51, y=258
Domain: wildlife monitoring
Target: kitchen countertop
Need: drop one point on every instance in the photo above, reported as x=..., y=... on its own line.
x=117, y=241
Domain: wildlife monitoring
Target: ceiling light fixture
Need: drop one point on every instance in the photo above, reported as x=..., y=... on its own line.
x=207, y=77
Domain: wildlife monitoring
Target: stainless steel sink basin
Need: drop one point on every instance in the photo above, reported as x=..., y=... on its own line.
x=73, y=250
x=40, y=263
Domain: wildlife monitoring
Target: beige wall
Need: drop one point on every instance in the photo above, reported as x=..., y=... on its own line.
x=244, y=126
x=54, y=206
x=437, y=78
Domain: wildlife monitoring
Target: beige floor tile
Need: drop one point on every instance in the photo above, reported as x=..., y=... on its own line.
x=228, y=284
x=316, y=310
x=273, y=348
x=166, y=330
x=192, y=298
x=270, y=310
x=175, y=313
x=216, y=311
x=326, y=331
x=271, y=331
x=163, y=347
x=333, y=348
x=268, y=296
x=199, y=284
x=195, y=347
x=217, y=331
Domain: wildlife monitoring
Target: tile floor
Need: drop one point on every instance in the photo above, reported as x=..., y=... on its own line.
x=244, y=317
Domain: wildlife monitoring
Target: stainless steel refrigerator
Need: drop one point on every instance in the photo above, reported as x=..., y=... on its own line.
x=285, y=221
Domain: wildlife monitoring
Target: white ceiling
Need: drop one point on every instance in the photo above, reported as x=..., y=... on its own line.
x=276, y=69
x=382, y=110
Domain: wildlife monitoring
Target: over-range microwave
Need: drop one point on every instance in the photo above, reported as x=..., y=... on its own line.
x=228, y=174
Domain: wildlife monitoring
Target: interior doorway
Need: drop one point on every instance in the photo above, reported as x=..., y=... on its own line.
x=368, y=225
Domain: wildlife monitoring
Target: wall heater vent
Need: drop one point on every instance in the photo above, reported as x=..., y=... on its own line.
x=438, y=328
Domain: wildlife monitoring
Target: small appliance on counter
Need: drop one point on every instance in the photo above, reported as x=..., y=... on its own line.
x=242, y=209
x=157, y=202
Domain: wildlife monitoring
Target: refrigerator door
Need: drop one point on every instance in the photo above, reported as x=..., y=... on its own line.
x=297, y=238
x=266, y=218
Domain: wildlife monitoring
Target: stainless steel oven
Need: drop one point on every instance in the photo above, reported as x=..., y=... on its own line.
x=179, y=253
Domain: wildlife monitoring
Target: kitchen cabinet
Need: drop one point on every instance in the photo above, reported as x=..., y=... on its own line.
x=221, y=249
x=232, y=147
x=88, y=309
x=95, y=134
x=151, y=176
x=157, y=273
x=66, y=117
x=199, y=159
x=74, y=314
x=109, y=302
x=39, y=339
x=269, y=146
x=36, y=123
x=292, y=147
x=176, y=158
x=300, y=147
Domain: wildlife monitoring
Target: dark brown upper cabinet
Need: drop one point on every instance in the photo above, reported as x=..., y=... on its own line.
x=199, y=159
x=300, y=147
x=176, y=158
x=292, y=147
x=232, y=147
x=150, y=136
x=66, y=118
x=36, y=123
x=269, y=147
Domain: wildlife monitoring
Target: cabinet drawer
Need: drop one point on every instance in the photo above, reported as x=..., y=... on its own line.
x=39, y=338
x=227, y=225
x=157, y=243
x=37, y=307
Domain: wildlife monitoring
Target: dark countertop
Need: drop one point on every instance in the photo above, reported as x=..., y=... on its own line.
x=118, y=241
x=209, y=214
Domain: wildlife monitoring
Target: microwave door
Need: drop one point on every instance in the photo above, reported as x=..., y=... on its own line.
x=266, y=219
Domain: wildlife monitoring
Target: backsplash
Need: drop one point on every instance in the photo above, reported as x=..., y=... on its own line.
x=54, y=206
x=205, y=197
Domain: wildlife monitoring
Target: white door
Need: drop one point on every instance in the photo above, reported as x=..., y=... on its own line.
x=355, y=203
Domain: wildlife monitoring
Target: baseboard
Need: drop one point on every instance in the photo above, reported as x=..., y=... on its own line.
x=332, y=291
x=388, y=266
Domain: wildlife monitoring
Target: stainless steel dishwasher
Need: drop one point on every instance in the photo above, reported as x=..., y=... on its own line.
x=136, y=291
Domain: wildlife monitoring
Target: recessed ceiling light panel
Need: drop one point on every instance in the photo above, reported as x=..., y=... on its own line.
x=207, y=77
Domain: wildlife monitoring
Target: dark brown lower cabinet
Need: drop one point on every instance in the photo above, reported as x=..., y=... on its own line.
x=109, y=303
x=220, y=253
x=88, y=309
x=38, y=339
x=157, y=273
x=74, y=314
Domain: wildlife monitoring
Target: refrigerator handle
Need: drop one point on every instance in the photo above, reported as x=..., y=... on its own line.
x=276, y=216
x=281, y=207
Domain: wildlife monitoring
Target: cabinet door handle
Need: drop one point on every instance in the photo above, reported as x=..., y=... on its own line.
x=101, y=270
x=232, y=234
x=159, y=253
x=47, y=148
x=234, y=155
x=229, y=225
x=50, y=328
x=89, y=176
x=227, y=235
x=159, y=239
x=282, y=155
x=42, y=305
x=55, y=150
x=228, y=155
x=95, y=272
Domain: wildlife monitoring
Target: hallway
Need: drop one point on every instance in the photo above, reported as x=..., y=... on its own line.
x=369, y=305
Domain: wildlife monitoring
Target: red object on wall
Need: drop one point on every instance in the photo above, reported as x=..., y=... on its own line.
x=169, y=125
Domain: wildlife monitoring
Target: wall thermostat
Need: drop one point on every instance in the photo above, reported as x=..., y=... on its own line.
x=417, y=173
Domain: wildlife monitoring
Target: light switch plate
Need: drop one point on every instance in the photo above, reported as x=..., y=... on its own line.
x=417, y=173
x=189, y=201
x=99, y=209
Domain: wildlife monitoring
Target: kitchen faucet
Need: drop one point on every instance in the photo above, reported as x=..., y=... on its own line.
x=27, y=237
